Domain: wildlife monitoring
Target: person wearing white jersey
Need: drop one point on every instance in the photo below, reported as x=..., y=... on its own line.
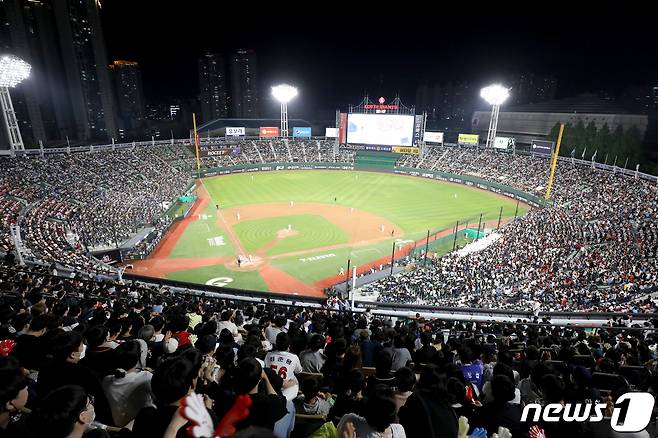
x=285, y=364
x=226, y=322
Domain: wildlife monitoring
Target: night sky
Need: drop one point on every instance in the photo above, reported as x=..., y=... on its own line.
x=334, y=57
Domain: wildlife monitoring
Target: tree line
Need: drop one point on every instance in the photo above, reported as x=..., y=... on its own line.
x=585, y=141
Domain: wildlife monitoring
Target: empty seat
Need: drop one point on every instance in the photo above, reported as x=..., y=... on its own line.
x=608, y=382
x=583, y=360
x=636, y=375
x=558, y=365
x=304, y=375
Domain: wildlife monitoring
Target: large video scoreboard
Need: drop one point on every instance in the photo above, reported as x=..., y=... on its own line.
x=380, y=129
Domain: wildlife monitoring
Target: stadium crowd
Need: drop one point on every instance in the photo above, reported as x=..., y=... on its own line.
x=274, y=151
x=593, y=248
x=72, y=203
x=81, y=357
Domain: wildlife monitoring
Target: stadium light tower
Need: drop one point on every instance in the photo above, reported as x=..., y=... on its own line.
x=284, y=93
x=13, y=71
x=495, y=95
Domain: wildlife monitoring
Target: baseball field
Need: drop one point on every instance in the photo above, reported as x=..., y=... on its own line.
x=293, y=231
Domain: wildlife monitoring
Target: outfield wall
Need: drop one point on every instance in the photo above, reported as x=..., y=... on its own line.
x=432, y=174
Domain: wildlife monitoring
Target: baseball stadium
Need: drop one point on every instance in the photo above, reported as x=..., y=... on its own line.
x=179, y=258
x=294, y=231
x=378, y=211
x=268, y=264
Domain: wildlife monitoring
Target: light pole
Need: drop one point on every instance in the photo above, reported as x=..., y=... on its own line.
x=13, y=71
x=495, y=95
x=284, y=93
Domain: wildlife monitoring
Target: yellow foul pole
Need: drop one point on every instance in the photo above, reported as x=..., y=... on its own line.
x=196, y=146
x=554, y=163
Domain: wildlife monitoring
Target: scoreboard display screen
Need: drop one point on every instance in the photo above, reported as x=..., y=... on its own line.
x=380, y=129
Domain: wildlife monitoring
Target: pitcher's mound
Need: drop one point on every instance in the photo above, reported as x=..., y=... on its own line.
x=286, y=233
x=248, y=263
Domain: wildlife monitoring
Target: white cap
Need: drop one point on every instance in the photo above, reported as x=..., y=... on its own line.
x=171, y=345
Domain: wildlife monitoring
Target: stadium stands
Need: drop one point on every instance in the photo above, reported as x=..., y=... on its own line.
x=101, y=197
x=117, y=358
x=594, y=248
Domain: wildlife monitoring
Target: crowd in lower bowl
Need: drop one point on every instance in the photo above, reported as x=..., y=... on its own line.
x=85, y=358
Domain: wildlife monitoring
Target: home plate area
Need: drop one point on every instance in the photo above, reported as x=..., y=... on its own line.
x=245, y=263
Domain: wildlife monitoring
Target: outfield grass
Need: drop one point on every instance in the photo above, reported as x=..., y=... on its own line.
x=413, y=205
x=319, y=265
x=312, y=232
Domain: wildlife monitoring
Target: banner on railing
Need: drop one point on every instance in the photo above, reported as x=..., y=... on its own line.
x=542, y=147
x=342, y=128
x=269, y=131
x=303, y=131
x=406, y=150
x=109, y=257
x=433, y=137
x=235, y=131
x=418, y=127
x=468, y=139
x=504, y=143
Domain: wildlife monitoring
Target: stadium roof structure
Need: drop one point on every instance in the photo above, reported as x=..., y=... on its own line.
x=247, y=123
x=581, y=104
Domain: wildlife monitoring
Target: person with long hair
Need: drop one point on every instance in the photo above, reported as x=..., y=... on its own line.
x=129, y=388
x=428, y=411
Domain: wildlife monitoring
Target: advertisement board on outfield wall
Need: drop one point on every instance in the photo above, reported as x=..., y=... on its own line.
x=331, y=132
x=369, y=147
x=207, y=152
x=235, y=131
x=504, y=143
x=433, y=137
x=468, y=139
x=303, y=132
x=342, y=128
x=268, y=131
x=405, y=150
